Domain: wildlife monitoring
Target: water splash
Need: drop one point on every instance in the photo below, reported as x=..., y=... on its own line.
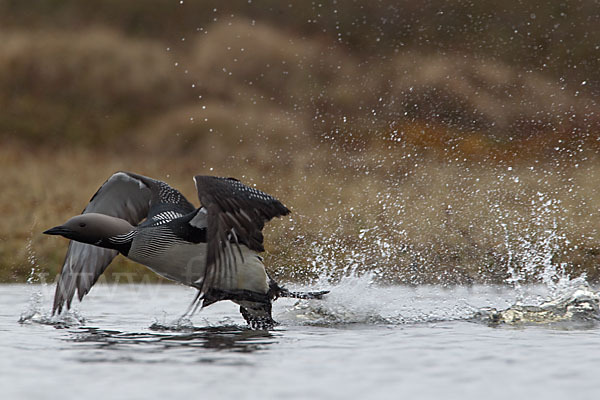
x=34, y=312
x=180, y=324
x=353, y=269
x=362, y=300
x=572, y=308
x=353, y=300
x=185, y=324
x=70, y=319
x=531, y=255
x=34, y=305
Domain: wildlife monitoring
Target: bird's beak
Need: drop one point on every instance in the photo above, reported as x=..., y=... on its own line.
x=58, y=230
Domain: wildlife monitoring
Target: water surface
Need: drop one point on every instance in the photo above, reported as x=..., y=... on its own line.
x=364, y=341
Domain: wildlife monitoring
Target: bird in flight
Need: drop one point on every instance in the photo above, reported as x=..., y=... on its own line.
x=213, y=248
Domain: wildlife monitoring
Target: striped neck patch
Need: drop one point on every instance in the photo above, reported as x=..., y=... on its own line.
x=121, y=239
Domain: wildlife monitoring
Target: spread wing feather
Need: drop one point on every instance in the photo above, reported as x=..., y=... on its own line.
x=125, y=195
x=235, y=215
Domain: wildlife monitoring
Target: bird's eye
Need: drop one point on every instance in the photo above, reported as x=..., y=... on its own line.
x=82, y=224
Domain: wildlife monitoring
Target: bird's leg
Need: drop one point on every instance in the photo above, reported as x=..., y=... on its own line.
x=258, y=315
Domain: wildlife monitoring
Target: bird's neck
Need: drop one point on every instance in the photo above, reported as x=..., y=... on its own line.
x=121, y=243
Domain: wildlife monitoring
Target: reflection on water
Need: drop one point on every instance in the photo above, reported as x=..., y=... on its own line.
x=227, y=338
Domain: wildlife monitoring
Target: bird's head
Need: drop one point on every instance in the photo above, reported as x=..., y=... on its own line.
x=91, y=228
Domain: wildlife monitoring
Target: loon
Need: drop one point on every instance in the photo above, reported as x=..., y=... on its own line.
x=213, y=248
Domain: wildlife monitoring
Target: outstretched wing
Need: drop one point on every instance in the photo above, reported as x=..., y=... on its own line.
x=235, y=215
x=124, y=195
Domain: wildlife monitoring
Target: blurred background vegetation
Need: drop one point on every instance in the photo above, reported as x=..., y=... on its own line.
x=430, y=142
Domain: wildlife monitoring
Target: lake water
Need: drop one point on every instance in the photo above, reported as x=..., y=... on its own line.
x=362, y=342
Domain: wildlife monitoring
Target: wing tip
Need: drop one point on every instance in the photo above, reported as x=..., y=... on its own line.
x=59, y=305
x=286, y=211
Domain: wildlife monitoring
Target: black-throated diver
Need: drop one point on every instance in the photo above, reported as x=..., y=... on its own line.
x=213, y=248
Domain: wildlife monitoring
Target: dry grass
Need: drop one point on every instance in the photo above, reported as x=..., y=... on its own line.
x=58, y=87
x=420, y=167
x=559, y=38
x=82, y=87
x=484, y=96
